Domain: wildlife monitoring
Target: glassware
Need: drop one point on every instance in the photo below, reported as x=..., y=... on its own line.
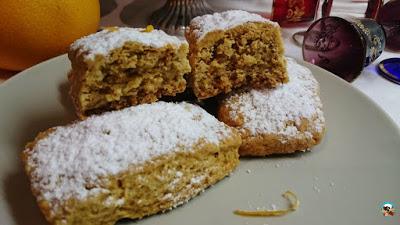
x=390, y=69
x=389, y=18
x=373, y=8
x=343, y=46
x=175, y=15
x=293, y=11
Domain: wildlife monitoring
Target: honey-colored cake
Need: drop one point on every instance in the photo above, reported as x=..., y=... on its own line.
x=234, y=49
x=130, y=163
x=286, y=119
x=120, y=67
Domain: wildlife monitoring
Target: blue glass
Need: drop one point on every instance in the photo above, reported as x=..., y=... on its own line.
x=390, y=69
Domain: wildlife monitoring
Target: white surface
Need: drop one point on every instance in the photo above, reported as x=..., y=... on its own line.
x=385, y=93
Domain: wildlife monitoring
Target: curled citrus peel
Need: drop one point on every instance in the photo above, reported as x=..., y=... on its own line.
x=290, y=196
x=149, y=28
x=110, y=29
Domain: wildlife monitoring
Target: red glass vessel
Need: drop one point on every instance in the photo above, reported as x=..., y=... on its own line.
x=389, y=18
x=292, y=11
x=343, y=46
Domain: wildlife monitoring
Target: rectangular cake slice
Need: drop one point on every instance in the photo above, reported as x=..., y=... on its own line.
x=282, y=120
x=234, y=49
x=120, y=67
x=130, y=163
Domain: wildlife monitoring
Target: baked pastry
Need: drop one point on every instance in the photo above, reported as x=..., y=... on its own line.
x=120, y=67
x=127, y=164
x=234, y=49
x=286, y=119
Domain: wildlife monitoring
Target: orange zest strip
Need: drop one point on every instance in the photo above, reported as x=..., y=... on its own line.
x=149, y=28
x=290, y=196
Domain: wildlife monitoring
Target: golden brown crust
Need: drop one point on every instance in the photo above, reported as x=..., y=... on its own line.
x=24, y=158
x=247, y=55
x=270, y=143
x=147, y=189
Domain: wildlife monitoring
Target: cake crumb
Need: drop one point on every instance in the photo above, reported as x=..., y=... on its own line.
x=248, y=171
x=167, y=197
x=179, y=174
x=197, y=180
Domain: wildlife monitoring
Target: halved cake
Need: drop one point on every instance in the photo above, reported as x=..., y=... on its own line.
x=128, y=164
x=120, y=67
x=234, y=49
x=286, y=119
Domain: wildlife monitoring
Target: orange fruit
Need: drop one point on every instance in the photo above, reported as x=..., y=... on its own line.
x=34, y=30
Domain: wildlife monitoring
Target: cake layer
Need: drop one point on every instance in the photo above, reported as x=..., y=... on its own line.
x=234, y=49
x=286, y=119
x=129, y=163
x=120, y=67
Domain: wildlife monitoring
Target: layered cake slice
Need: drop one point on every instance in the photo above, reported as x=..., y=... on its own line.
x=120, y=67
x=130, y=163
x=234, y=49
x=286, y=119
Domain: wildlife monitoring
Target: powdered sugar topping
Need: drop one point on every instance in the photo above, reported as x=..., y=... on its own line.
x=101, y=43
x=74, y=160
x=201, y=25
x=269, y=110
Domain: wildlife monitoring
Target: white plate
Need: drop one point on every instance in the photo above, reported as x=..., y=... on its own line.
x=342, y=181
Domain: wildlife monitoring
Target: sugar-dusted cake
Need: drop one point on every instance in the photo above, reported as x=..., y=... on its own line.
x=120, y=67
x=234, y=49
x=130, y=163
x=286, y=119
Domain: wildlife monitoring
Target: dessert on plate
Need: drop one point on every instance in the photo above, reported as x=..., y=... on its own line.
x=130, y=163
x=149, y=157
x=286, y=119
x=234, y=49
x=120, y=67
